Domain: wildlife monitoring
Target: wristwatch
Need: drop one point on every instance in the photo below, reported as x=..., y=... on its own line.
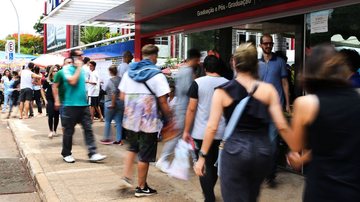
x=202, y=154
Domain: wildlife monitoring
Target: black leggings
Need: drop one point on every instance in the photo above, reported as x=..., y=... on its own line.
x=208, y=181
x=53, y=115
x=37, y=96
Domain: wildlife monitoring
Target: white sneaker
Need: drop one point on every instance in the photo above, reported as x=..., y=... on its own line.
x=55, y=134
x=163, y=165
x=51, y=134
x=125, y=183
x=97, y=157
x=69, y=159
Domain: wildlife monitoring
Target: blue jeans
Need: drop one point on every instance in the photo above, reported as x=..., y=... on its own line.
x=113, y=114
x=7, y=101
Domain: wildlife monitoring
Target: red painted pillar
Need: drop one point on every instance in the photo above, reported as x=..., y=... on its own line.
x=137, y=48
x=68, y=36
x=45, y=32
x=45, y=38
x=140, y=42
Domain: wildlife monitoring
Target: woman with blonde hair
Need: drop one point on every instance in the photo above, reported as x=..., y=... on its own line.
x=47, y=94
x=247, y=157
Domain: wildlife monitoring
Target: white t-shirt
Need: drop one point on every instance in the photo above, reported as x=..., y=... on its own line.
x=141, y=112
x=93, y=90
x=26, y=79
x=122, y=68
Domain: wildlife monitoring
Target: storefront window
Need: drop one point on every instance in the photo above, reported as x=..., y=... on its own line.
x=339, y=26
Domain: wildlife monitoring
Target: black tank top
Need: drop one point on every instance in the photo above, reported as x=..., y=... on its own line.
x=334, y=138
x=255, y=118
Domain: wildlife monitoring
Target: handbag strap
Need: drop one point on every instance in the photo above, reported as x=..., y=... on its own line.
x=239, y=109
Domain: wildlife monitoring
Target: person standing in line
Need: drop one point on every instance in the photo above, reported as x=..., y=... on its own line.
x=142, y=87
x=114, y=108
x=26, y=92
x=326, y=121
x=93, y=83
x=353, y=60
x=124, y=66
x=86, y=67
x=6, y=81
x=183, y=80
x=15, y=89
x=247, y=154
x=47, y=95
x=75, y=108
x=197, y=115
x=37, y=90
x=272, y=69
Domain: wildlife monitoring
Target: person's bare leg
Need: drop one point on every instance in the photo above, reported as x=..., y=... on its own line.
x=26, y=106
x=99, y=112
x=21, y=110
x=143, y=168
x=129, y=164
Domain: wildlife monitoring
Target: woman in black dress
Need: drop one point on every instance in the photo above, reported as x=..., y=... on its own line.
x=327, y=121
x=47, y=94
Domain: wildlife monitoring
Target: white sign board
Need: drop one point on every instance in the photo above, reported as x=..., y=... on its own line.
x=319, y=22
x=10, y=50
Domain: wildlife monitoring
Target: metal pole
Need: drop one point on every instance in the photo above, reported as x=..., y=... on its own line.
x=18, y=21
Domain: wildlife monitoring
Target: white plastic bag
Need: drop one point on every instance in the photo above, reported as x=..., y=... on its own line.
x=179, y=167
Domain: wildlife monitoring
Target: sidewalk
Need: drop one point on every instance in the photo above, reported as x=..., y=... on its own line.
x=84, y=181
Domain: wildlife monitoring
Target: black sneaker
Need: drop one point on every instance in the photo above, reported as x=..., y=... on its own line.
x=147, y=191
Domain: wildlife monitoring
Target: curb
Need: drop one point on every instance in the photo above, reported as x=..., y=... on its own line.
x=42, y=184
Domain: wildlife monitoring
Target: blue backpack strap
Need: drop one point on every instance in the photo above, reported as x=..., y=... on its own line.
x=239, y=109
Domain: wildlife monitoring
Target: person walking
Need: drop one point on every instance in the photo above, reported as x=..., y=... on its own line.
x=93, y=83
x=6, y=82
x=37, y=89
x=114, y=108
x=197, y=115
x=142, y=87
x=48, y=97
x=75, y=108
x=326, y=122
x=247, y=154
x=183, y=80
x=272, y=69
x=124, y=66
x=15, y=91
x=26, y=92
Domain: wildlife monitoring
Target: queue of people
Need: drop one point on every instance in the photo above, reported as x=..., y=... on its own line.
x=141, y=101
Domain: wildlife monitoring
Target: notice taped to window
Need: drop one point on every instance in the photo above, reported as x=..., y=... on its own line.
x=319, y=22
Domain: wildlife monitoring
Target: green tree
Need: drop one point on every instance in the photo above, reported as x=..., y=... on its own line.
x=93, y=34
x=29, y=44
x=2, y=45
x=39, y=27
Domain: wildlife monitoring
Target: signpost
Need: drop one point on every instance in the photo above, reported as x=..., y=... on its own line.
x=10, y=50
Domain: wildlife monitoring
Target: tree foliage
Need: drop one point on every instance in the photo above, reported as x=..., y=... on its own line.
x=29, y=44
x=93, y=34
x=39, y=27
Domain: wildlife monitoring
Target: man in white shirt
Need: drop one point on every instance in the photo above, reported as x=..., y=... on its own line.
x=142, y=87
x=93, y=90
x=26, y=92
x=124, y=66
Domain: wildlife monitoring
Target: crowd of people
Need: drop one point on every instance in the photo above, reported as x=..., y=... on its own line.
x=141, y=101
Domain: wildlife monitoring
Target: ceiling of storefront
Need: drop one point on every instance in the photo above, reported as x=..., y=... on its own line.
x=112, y=12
